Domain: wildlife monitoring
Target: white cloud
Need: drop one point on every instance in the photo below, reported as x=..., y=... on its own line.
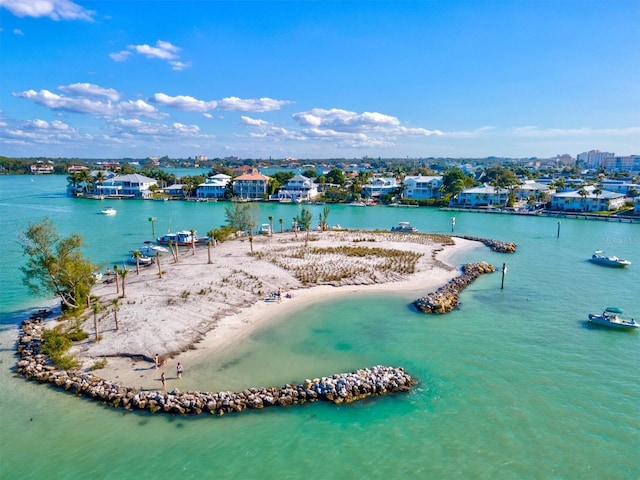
x=265, y=129
x=120, y=56
x=161, y=51
x=17, y=31
x=190, y=104
x=54, y=9
x=135, y=127
x=91, y=90
x=349, y=129
x=183, y=102
x=235, y=104
x=83, y=102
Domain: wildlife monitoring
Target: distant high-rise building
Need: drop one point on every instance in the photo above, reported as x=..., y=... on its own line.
x=594, y=158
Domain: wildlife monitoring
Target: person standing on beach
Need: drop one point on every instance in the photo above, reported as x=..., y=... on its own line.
x=156, y=360
x=163, y=379
x=179, y=370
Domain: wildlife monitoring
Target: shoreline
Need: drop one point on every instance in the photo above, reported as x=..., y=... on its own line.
x=229, y=330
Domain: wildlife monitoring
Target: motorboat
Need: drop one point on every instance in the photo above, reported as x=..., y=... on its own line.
x=181, y=238
x=139, y=260
x=265, y=229
x=151, y=250
x=611, y=261
x=404, y=227
x=109, y=211
x=610, y=317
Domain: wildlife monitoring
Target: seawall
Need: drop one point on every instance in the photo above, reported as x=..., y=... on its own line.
x=339, y=388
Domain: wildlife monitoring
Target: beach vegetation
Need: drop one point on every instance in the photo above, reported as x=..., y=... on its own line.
x=98, y=364
x=55, y=345
x=241, y=215
x=56, y=265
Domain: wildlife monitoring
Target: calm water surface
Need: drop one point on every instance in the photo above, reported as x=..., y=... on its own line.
x=514, y=384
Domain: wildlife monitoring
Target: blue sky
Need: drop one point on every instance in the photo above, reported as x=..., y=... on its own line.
x=315, y=79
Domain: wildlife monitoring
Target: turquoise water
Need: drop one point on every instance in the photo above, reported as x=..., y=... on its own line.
x=514, y=384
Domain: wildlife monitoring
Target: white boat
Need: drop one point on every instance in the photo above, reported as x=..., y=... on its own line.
x=610, y=317
x=151, y=250
x=611, y=261
x=109, y=211
x=404, y=227
x=265, y=229
x=141, y=260
x=181, y=238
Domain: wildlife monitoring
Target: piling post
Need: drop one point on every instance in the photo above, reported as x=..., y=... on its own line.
x=504, y=271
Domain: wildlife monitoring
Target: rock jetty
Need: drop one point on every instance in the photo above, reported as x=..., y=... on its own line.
x=495, y=245
x=339, y=388
x=445, y=298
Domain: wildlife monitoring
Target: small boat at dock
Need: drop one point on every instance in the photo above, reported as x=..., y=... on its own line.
x=183, y=237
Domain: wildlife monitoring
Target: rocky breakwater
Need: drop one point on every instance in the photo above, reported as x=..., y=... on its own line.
x=339, y=388
x=495, y=245
x=445, y=298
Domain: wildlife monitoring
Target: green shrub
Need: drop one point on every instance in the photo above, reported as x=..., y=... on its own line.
x=98, y=364
x=77, y=335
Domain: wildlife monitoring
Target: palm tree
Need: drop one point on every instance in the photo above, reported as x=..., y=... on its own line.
x=295, y=227
x=304, y=220
x=116, y=304
x=583, y=195
x=270, y=225
x=116, y=271
x=123, y=274
x=323, y=218
x=193, y=241
x=96, y=309
x=597, y=192
x=211, y=235
x=281, y=225
x=137, y=255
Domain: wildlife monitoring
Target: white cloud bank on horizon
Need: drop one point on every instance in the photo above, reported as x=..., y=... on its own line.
x=53, y=9
x=231, y=104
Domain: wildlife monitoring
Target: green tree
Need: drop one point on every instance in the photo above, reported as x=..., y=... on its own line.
x=241, y=215
x=323, y=218
x=304, y=221
x=137, y=254
x=56, y=265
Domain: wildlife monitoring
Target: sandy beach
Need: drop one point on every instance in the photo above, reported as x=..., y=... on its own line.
x=213, y=298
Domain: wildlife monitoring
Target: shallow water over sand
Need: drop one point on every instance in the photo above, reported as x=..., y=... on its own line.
x=513, y=384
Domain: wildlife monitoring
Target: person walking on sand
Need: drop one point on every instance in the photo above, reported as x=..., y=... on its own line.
x=163, y=379
x=156, y=360
x=179, y=370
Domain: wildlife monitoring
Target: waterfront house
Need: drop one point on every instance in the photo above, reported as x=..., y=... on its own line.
x=176, y=191
x=213, y=187
x=298, y=189
x=251, y=185
x=483, y=196
x=587, y=200
x=636, y=206
x=379, y=186
x=417, y=187
x=42, y=168
x=532, y=189
x=132, y=186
